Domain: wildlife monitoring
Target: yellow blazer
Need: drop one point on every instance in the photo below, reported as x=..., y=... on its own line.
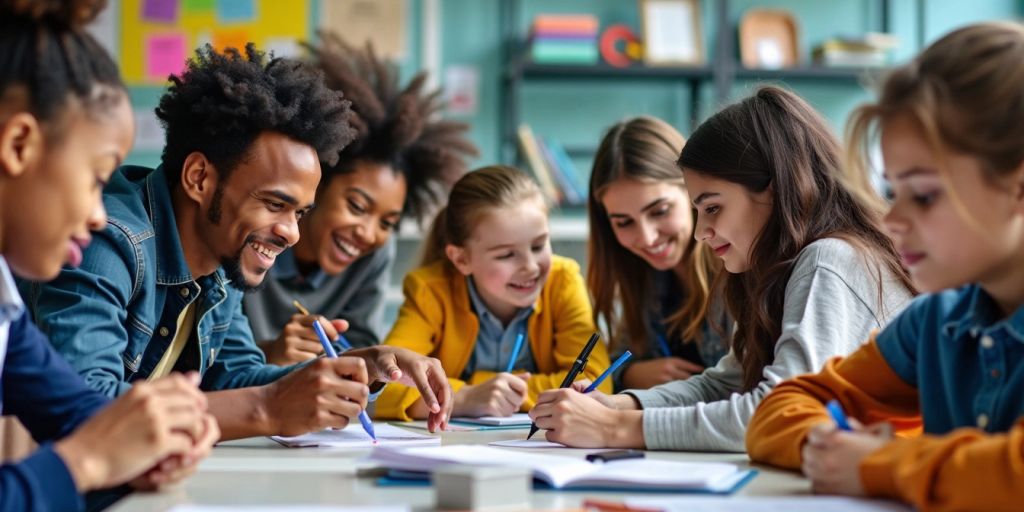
x=437, y=319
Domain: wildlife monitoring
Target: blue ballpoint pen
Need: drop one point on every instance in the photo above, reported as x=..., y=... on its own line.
x=341, y=337
x=836, y=411
x=329, y=350
x=664, y=345
x=515, y=353
x=345, y=345
x=611, y=369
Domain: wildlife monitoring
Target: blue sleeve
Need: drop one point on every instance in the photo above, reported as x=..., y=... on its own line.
x=41, y=389
x=84, y=312
x=240, y=363
x=51, y=400
x=898, y=342
x=39, y=483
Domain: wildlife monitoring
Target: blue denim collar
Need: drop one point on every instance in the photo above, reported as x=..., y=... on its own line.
x=171, y=267
x=980, y=314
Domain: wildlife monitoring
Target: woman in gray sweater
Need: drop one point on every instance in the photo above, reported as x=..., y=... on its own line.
x=809, y=274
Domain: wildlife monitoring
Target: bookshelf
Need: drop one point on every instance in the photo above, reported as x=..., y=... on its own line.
x=722, y=72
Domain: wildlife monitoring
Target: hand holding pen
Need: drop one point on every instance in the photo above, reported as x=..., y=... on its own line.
x=329, y=350
x=577, y=367
x=297, y=342
x=833, y=452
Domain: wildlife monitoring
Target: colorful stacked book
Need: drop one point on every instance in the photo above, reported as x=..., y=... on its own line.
x=553, y=168
x=564, y=39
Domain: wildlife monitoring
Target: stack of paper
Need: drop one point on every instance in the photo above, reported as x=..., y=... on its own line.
x=571, y=473
x=516, y=420
x=353, y=436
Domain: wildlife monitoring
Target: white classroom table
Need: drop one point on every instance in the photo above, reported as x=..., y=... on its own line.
x=259, y=471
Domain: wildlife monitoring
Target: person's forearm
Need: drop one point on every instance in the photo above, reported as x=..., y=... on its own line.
x=241, y=413
x=627, y=431
x=626, y=402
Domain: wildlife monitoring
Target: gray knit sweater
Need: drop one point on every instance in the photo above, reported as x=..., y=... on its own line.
x=831, y=306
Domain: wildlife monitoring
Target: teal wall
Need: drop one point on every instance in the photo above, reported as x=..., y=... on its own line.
x=577, y=111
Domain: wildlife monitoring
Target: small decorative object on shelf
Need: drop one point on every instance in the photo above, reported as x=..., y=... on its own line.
x=564, y=39
x=870, y=50
x=631, y=52
x=672, y=32
x=768, y=39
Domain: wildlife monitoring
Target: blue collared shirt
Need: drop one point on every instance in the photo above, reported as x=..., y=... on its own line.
x=287, y=269
x=114, y=316
x=11, y=307
x=494, y=341
x=965, y=358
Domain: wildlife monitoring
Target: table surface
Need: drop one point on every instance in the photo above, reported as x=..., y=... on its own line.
x=260, y=471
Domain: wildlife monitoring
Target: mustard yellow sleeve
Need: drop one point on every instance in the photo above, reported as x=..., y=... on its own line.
x=573, y=325
x=418, y=328
x=862, y=382
x=966, y=469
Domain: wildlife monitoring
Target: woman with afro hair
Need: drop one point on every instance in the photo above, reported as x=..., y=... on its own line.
x=403, y=160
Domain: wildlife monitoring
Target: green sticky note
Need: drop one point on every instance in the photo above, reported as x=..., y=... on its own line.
x=197, y=6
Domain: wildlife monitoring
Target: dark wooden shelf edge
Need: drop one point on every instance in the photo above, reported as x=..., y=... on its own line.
x=571, y=71
x=808, y=73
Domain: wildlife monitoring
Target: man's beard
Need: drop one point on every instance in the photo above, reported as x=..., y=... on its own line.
x=233, y=265
x=236, y=279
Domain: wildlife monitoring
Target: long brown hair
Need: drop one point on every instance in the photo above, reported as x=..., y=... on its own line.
x=964, y=92
x=476, y=194
x=775, y=139
x=643, y=149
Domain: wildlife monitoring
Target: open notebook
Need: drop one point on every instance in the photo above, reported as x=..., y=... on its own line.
x=353, y=436
x=569, y=473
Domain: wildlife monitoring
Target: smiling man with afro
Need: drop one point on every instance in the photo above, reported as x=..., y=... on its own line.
x=160, y=289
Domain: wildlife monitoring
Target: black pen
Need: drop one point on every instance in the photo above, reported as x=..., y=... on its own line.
x=577, y=367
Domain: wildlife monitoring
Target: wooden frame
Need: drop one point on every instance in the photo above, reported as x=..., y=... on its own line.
x=671, y=32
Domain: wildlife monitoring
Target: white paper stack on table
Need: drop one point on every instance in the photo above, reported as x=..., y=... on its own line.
x=520, y=419
x=353, y=436
x=465, y=424
x=571, y=473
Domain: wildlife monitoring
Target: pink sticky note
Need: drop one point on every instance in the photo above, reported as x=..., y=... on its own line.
x=163, y=11
x=165, y=55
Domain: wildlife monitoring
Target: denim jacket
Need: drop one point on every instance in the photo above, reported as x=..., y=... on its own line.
x=964, y=357
x=114, y=316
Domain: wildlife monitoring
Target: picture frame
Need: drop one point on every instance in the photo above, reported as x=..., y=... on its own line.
x=671, y=32
x=769, y=39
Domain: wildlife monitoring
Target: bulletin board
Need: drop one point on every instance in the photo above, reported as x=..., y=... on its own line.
x=158, y=36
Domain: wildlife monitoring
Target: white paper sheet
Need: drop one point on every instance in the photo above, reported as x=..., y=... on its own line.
x=353, y=436
x=527, y=443
x=766, y=504
x=286, y=508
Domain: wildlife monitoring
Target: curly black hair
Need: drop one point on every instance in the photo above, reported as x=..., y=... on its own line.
x=394, y=126
x=224, y=101
x=45, y=50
